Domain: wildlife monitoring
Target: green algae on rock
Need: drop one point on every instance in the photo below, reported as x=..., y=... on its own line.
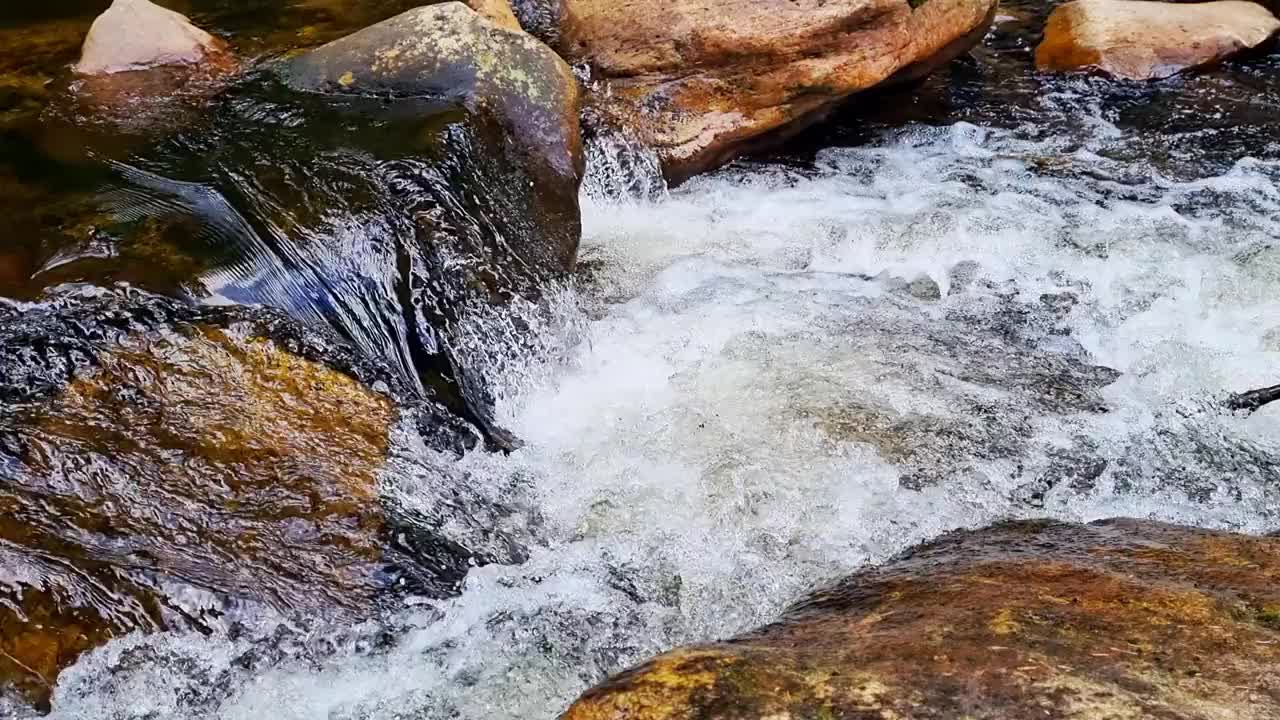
x=1116, y=619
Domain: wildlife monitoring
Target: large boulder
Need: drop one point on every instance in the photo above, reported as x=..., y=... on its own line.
x=138, y=34
x=1141, y=40
x=449, y=51
x=1117, y=619
x=703, y=80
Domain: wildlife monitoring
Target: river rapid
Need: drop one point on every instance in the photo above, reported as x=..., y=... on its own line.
x=994, y=296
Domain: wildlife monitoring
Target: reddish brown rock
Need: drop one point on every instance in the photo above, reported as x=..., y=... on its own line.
x=1117, y=619
x=701, y=80
x=1141, y=40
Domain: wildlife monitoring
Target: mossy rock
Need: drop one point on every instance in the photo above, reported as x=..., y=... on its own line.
x=1116, y=619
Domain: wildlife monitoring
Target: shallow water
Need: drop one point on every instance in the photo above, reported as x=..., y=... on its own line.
x=754, y=389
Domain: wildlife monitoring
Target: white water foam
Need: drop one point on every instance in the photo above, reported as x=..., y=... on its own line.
x=758, y=405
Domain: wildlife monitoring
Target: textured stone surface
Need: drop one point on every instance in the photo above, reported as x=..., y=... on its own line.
x=138, y=34
x=1117, y=619
x=698, y=80
x=1139, y=40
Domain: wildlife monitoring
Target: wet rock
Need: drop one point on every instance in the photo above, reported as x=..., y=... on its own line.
x=138, y=34
x=1120, y=618
x=925, y=288
x=450, y=52
x=1135, y=40
x=170, y=467
x=702, y=81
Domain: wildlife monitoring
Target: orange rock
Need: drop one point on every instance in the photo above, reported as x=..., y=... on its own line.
x=701, y=80
x=497, y=12
x=1140, y=40
x=1117, y=619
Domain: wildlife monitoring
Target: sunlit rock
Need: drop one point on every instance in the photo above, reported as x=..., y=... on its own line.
x=164, y=467
x=496, y=11
x=702, y=81
x=1136, y=40
x=145, y=66
x=1120, y=618
x=450, y=52
x=138, y=34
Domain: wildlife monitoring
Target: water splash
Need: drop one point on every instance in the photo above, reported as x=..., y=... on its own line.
x=762, y=400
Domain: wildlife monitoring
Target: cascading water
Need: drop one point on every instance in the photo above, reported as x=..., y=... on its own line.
x=768, y=392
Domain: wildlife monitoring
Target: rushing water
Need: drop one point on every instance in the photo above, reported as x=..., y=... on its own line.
x=1030, y=305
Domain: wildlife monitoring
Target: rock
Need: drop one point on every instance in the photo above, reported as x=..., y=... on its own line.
x=450, y=52
x=1271, y=340
x=1139, y=40
x=924, y=288
x=138, y=34
x=701, y=81
x=1032, y=619
x=169, y=467
x=1116, y=619
x=142, y=68
x=497, y=12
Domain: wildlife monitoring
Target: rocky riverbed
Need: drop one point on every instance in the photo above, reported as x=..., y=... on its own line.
x=635, y=361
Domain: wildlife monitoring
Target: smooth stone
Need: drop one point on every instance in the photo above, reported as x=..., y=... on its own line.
x=1141, y=40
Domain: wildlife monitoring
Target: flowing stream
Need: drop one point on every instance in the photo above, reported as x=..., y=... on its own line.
x=775, y=374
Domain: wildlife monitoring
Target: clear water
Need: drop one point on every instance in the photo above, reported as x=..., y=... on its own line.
x=753, y=389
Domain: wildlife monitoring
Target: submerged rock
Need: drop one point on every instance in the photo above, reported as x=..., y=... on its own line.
x=171, y=467
x=450, y=52
x=701, y=81
x=1120, y=618
x=1139, y=40
x=138, y=34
